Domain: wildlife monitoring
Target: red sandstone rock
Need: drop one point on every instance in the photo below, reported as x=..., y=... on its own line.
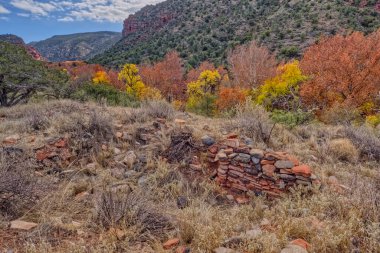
x=266, y=162
x=302, y=170
x=302, y=243
x=269, y=170
x=42, y=155
x=60, y=144
x=233, y=143
x=242, y=200
x=170, y=243
x=232, y=136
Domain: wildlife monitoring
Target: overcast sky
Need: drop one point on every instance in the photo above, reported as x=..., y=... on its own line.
x=39, y=19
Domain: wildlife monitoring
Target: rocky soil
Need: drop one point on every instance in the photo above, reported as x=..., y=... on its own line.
x=89, y=178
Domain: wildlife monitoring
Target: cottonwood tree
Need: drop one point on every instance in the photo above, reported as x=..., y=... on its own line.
x=342, y=70
x=21, y=76
x=281, y=91
x=251, y=65
x=134, y=85
x=193, y=74
x=202, y=93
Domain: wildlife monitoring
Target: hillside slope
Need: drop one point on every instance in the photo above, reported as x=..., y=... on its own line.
x=14, y=39
x=202, y=30
x=80, y=46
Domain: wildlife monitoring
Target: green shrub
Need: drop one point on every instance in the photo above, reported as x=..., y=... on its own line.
x=291, y=119
x=105, y=93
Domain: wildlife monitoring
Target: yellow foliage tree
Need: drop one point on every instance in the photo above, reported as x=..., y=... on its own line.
x=101, y=77
x=134, y=84
x=202, y=93
x=282, y=90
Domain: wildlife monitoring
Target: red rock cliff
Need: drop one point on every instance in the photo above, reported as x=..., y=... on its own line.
x=146, y=21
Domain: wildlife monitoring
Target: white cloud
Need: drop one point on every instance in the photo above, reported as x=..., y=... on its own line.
x=4, y=18
x=25, y=15
x=78, y=10
x=35, y=7
x=3, y=10
x=66, y=19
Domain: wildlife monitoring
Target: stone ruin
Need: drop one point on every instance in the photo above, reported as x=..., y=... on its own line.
x=243, y=169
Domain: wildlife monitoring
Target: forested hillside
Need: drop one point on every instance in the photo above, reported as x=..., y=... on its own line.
x=201, y=30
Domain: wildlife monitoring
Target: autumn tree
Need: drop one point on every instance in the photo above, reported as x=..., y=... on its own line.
x=251, y=65
x=281, y=91
x=134, y=85
x=166, y=76
x=101, y=77
x=193, y=74
x=229, y=98
x=343, y=70
x=202, y=93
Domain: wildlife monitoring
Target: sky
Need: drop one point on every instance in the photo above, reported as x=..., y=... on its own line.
x=35, y=20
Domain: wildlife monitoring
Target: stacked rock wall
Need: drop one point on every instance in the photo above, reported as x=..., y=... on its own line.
x=241, y=168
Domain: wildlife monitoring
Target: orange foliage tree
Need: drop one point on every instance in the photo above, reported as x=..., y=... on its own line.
x=342, y=70
x=251, y=65
x=166, y=76
x=230, y=97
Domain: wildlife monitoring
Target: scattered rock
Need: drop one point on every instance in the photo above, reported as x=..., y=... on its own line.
x=242, y=200
x=207, y=140
x=82, y=196
x=23, y=225
x=12, y=139
x=130, y=173
x=170, y=243
x=182, y=249
x=224, y=250
x=130, y=158
x=119, y=135
x=333, y=180
x=252, y=234
x=180, y=122
x=116, y=151
x=230, y=197
x=302, y=243
x=182, y=202
x=142, y=181
x=233, y=241
x=291, y=248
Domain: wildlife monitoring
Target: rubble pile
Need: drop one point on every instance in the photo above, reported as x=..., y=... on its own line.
x=243, y=169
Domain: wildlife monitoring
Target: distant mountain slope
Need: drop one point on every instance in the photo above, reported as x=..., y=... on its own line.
x=80, y=46
x=13, y=39
x=201, y=30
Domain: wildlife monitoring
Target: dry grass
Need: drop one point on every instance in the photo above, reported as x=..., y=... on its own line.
x=343, y=150
x=133, y=215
